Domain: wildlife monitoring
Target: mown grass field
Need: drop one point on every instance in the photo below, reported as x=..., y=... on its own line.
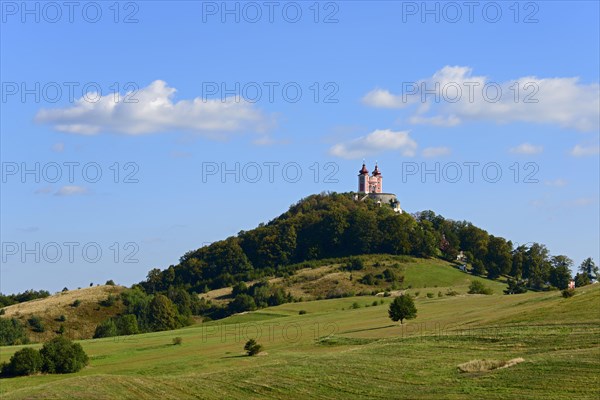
x=337, y=351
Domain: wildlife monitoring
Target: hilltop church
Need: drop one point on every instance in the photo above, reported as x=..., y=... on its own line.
x=371, y=186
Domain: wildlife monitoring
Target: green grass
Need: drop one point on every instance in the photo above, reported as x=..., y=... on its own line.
x=335, y=351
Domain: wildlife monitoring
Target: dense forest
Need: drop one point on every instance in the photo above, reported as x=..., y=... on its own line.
x=333, y=225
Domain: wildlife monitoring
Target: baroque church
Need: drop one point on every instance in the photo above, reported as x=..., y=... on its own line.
x=371, y=186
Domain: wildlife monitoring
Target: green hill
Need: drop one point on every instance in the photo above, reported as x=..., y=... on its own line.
x=337, y=350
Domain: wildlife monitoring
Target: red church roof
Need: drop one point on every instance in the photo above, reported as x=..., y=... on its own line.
x=376, y=171
x=364, y=170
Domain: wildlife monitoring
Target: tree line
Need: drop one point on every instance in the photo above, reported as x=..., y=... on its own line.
x=332, y=225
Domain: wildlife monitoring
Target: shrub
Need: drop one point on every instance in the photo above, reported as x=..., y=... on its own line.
x=375, y=303
x=386, y=294
x=477, y=287
x=177, y=341
x=61, y=329
x=61, y=356
x=355, y=264
x=110, y=282
x=65, y=289
x=430, y=295
x=440, y=294
x=417, y=294
x=355, y=305
x=106, y=328
x=109, y=301
x=62, y=318
x=252, y=348
x=76, y=303
x=26, y=361
x=2, y=311
x=451, y=292
x=36, y=324
x=301, y=312
x=568, y=293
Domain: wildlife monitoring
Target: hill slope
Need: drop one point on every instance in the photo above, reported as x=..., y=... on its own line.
x=336, y=351
x=80, y=321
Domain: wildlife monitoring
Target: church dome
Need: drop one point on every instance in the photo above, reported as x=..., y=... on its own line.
x=364, y=170
x=376, y=171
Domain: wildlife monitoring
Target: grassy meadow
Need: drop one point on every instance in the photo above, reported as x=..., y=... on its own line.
x=349, y=348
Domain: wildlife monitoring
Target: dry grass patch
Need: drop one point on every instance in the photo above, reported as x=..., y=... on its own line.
x=487, y=365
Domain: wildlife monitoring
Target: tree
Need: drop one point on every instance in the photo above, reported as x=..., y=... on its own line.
x=515, y=286
x=589, y=268
x=252, y=348
x=61, y=356
x=560, y=274
x=241, y=303
x=26, y=361
x=498, y=258
x=403, y=307
x=12, y=332
x=107, y=328
x=582, y=279
x=162, y=314
x=478, y=268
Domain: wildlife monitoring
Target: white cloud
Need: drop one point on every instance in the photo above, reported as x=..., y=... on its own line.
x=582, y=151
x=431, y=152
x=71, y=191
x=58, y=147
x=454, y=95
x=155, y=111
x=527, y=148
x=376, y=142
x=582, y=202
x=557, y=183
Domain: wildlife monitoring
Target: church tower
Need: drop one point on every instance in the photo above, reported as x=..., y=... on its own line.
x=363, y=180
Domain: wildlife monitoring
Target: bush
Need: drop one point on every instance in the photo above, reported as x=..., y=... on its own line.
x=26, y=361
x=355, y=305
x=65, y=289
x=375, y=303
x=110, y=282
x=355, y=264
x=430, y=295
x=301, y=312
x=477, y=287
x=76, y=303
x=109, y=301
x=61, y=356
x=568, y=293
x=386, y=294
x=36, y=324
x=2, y=311
x=61, y=330
x=106, y=328
x=451, y=292
x=177, y=341
x=62, y=318
x=417, y=294
x=440, y=294
x=252, y=348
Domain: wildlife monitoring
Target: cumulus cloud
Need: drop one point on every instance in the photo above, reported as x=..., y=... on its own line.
x=454, y=95
x=376, y=142
x=153, y=109
x=527, y=148
x=432, y=152
x=583, y=151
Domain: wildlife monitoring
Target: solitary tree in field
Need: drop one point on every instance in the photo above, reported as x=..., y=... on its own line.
x=403, y=307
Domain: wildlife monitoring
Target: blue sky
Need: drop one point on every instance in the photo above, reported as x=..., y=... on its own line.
x=212, y=92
